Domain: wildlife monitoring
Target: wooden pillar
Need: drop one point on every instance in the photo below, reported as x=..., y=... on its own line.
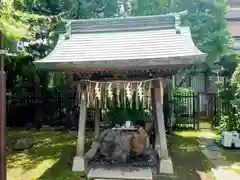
x=157, y=98
x=97, y=123
x=2, y=110
x=160, y=132
x=79, y=162
x=172, y=100
x=95, y=144
x=82, y=124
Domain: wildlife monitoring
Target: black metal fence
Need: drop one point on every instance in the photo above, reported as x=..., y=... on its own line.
x=189, y=109
x=53, y=108
x=185, y=109
x=23, y=110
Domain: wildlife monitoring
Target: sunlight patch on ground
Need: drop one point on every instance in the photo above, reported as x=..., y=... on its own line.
x=52, y=154
x=230, y=156
x=188, y=160
x=48, y=157
x=196, y=134
x=64, y=143
x=20, y=173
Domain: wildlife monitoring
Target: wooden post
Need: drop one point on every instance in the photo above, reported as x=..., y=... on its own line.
x=160, y=133
x=97, y=123
x=2, y=111
x=79, y=161
x=82, y=123
x=161, y=142
x=172, y=99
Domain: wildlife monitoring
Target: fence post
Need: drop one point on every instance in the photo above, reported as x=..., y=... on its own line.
x=198, y=111
x=194, y=110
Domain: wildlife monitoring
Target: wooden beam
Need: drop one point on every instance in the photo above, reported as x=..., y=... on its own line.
x=161, y=141
x=82, y=121
x=97, y=123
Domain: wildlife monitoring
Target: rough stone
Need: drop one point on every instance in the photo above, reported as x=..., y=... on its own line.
x=115, y=145
x=46, y=128
x=148, y=127
x=59, y=128
x=23, y=143
x=107, y=142
x=123, y=147
x=29, y=126
x=140, y=142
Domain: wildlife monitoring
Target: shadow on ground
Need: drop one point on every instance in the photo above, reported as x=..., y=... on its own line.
x=189, y=162
x=51, y=157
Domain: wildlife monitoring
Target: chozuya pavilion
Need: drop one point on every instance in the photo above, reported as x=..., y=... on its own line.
x=129, y=60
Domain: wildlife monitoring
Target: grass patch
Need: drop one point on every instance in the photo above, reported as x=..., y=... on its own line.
x=189, y=162
x=49, y=158
x=234, y=159
x=232, y=156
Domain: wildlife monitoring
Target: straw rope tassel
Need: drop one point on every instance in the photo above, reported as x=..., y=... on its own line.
x=79, y=95
x=149, y=94
x=88, y=96
x=161, y=91
x=101, y=96
x=124, y=97
x=144, y=94
x=131, y=96
x=118, y=95
x=105, y=97
x=136, y=97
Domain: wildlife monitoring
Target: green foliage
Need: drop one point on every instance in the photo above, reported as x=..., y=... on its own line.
x=149, y=7
x=17, y=24
x=119, y=116
x=235, y=80
x=181, y=91
x=228, y=102
x=208, y=25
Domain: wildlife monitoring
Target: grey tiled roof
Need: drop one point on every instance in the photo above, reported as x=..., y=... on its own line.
x=123, y=24
x=233, y=3
x=152, y=43
x=235, y=46
x=233, y=13
x=234, y=28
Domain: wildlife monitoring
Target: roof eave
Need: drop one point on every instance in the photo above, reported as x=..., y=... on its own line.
x=119, y=64
x=182, y=13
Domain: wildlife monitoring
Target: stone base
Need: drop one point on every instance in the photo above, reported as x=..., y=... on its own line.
x=78, y=164
x=166, y=166
x=113, y=173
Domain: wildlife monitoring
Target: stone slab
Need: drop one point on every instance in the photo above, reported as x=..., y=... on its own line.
x=220, y=165
x=120, y=173
x=78, y=164
x=225, y=174
x=236, y=166
x=166, y=166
